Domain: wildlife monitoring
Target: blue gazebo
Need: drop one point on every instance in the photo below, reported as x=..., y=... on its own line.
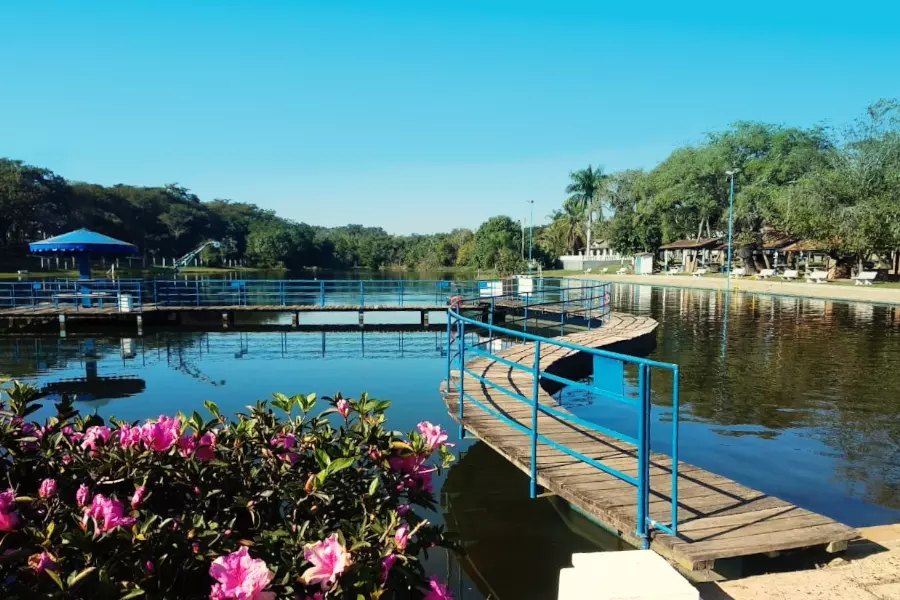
x=83, y=243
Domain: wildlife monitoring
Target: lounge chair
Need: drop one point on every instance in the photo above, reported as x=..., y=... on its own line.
x=622, y=271
x=739, y=272
x=865, y=278
x=790, y=274
x=817, y=277
x=673, y=271
x=700, y=272
x=604, y=270
x=765, y=273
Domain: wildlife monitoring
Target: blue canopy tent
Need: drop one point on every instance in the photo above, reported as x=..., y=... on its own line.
x=82, y=243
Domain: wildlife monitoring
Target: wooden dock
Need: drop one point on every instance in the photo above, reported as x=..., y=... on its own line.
x=717, y=518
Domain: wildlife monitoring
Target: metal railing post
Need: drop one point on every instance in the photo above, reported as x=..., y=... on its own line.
x=362, y=295
x=536, y=372
x=401, y=292
x=642, y=497
x=462, y=375
x=449, y=347
x=675, y=419
x=322, y=293
x=526, y=312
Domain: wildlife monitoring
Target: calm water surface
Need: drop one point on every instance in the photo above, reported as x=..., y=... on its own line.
x=797, y=398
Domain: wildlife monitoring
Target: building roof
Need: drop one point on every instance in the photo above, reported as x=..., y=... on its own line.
x=807, y=246
x=83, y=240
x=701, y=244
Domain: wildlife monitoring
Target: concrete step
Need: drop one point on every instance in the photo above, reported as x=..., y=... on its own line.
x=627, y=575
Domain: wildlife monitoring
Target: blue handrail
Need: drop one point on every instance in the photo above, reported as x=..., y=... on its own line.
x=568, y=298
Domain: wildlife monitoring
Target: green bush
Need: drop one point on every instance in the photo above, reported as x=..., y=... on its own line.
x=268, y=505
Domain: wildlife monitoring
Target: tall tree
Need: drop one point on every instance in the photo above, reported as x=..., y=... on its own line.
x=586, y=189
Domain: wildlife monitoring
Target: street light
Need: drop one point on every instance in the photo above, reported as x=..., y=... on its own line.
x=530, y=236
x=731, y=173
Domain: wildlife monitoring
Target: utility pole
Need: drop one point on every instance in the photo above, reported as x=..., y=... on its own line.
x=531, y=237
x=731, y=173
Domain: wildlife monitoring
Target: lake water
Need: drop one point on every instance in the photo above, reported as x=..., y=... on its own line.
x=798, y=398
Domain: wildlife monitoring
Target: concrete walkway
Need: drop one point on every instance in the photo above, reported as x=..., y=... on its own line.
x=869, y=570
x=853, y=293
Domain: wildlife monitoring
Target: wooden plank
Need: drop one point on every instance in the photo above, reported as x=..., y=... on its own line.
x=718, y=518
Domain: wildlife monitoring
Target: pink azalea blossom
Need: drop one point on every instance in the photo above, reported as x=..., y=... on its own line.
x=240, y=577
x=72, y=435
x=9, y=521
x=47, y=489
x=7, y=500
x=438, y=591
x=401, y=537
x=403, y=510
x=162, y=434
x=151, y=568
x=93, y=436
x=137, y=500
x=316, y=596
x=343, y=407
x=186, y=445
x=205, y=447
x=434, y=436
x=284, y=440
x=83, y=495
x=387, y=563
x=108, y=513
x=329, y=559
x=41, y=562
x=130, y=437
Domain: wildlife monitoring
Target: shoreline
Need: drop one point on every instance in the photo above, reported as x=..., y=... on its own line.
x=825, y=291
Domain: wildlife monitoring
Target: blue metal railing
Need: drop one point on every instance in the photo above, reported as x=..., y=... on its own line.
x=568, y=299
x=533, y=296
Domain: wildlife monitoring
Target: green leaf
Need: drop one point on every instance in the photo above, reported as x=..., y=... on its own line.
x=212, y=407
x=322, y=458
x=77, y=578
x=373, y=487
x=133, y=594
x=339, y=464
x=55, y=577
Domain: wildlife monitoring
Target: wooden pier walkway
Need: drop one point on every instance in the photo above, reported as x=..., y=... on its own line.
x=717, y=518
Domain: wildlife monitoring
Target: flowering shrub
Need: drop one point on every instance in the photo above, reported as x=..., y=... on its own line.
x=269, y=505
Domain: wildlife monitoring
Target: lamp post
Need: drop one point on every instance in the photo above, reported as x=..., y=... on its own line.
x=530, y=236
x=731, y=173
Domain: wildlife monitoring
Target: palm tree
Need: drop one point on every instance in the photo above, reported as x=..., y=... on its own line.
x=565, y=229
x=586, y=189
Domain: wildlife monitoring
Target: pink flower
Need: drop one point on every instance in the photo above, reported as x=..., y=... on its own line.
x=434, y=436
x=151, y=568
x=284, y=440
x=205, y=447
x=387, y=563
x=130, y=437
x=438, y=591
x=401, y=537
x=94, y=435
x=343, y=407
x=195, y=547
x=138, y=498
x=83, y=495
x=9, y=521
x=48, y=488
x=329, y=559
x=240, y=577
x=403, y=510
x=72, y=435
x=108, y=513
x=41, y=562
x=7, y=500
x=162, y=434
x=186, y=445
x=375, y=454
x=316, y=596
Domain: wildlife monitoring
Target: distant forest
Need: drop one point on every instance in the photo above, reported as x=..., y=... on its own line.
x=170, y=221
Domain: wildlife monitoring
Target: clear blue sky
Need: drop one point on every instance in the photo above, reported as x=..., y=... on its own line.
x=390, y=113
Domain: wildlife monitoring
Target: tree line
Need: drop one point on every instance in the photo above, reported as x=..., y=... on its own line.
x=835, y=188
x=170, y=221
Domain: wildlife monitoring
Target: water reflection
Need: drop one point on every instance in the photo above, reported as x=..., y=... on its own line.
x=796, y=397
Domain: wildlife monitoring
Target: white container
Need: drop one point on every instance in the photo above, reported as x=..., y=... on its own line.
x=126, y=303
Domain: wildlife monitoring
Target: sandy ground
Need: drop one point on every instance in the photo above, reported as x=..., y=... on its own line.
x=873, y=293
x=868, y=570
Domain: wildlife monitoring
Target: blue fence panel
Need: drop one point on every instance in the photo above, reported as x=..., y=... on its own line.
x=588, y=303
